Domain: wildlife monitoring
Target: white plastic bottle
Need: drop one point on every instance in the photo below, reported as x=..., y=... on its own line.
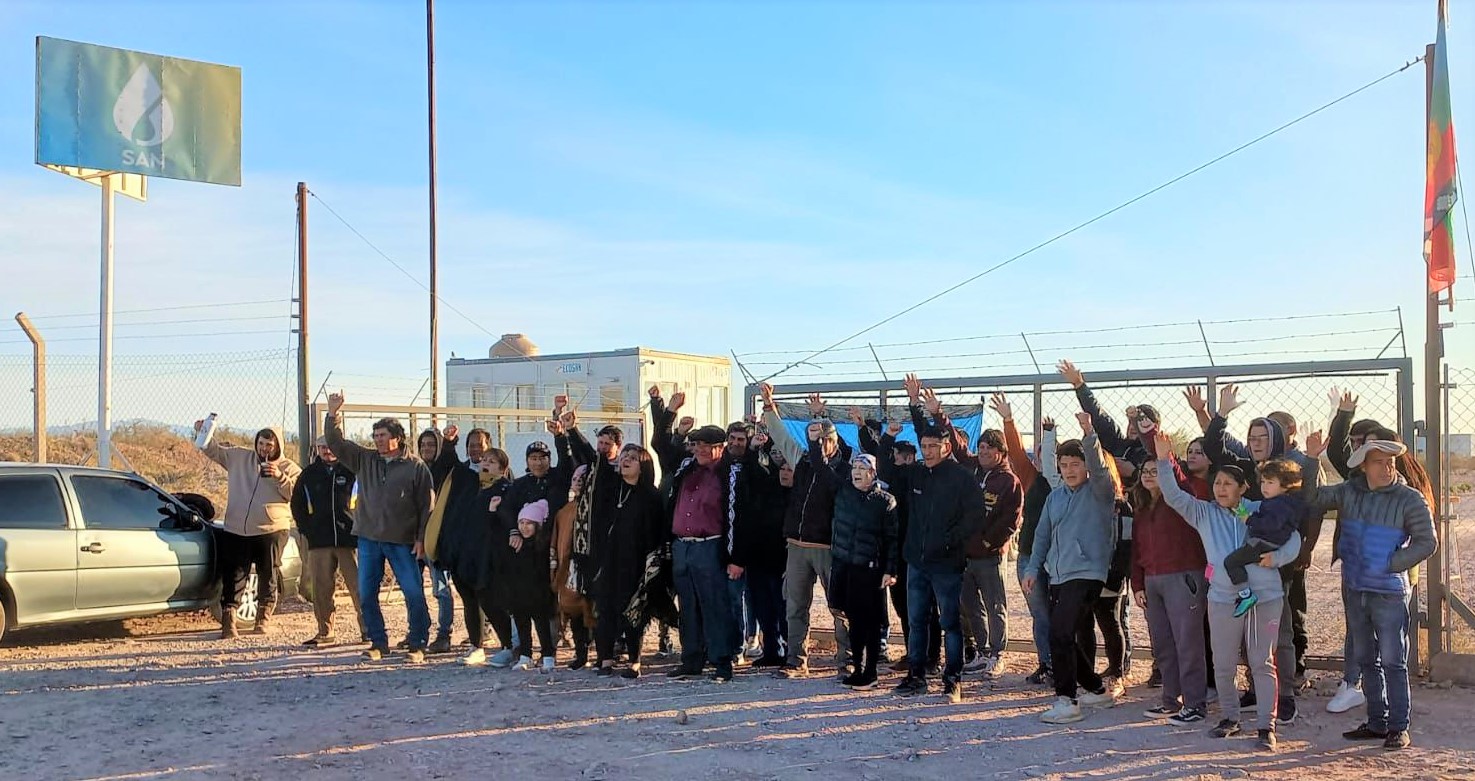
x=207, y=431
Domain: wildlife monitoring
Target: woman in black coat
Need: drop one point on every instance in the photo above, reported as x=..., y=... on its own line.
x=629, y=530
x=864, y=557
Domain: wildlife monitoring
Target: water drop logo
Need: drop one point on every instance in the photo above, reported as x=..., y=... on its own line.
x=142, y=114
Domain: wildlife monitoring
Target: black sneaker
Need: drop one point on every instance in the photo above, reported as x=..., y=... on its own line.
x=1266, y=740
x=606, y=671
x=1397, y=740
x=442, y=645
x=1041, y=677
x=1187, y=716
x=970, y=653
x=934, y=669
x=1155, y=680
x=1161, y=712
x=911, y=686
x=1227, y=728
x=1285, y=711
x=683, y=672
x=769, y=661
x=1247, y=699
x=1364, y=732
x=953, y=690
x=723, y=673
x=402, y=645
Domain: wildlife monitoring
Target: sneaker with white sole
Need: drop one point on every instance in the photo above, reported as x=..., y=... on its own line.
x=1064, y=711
x=994, y=663
x=1093, y=700
x=1161, y=712
x=525, y=663
x=1187, y=717
x=1114, y=687
x=549, y=663
x=1347, y=697
x=476, y=658
x=503, y=659
x=754, y=651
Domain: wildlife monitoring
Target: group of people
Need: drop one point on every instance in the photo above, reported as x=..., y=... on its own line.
x=1212, y=546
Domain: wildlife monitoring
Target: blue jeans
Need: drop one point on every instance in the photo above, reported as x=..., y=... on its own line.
x=401, y=558
x=1038, y=601
x=736, y=597
x=1378, y=624
x=445, y=605
x=924, y=589
x=708, y=631
x=1351, y=669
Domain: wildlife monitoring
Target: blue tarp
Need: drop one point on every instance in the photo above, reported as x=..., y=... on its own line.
x=971, y=425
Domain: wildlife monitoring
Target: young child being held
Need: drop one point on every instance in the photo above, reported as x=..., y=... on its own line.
x=1270, y=526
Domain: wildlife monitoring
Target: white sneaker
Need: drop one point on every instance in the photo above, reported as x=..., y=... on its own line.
x=980, y=664
x=1062, y=712
x=992, y=668
x=754, y=651
x=1346, y=698
x=476, y=658
x=549, y=663
x=1092, y=700
x=525, y=663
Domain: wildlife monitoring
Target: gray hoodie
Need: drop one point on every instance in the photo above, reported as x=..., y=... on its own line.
x=1223, y=532
x=1077, y=532
x=394, y=493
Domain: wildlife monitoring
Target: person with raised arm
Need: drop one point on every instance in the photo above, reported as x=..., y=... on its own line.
x=946, y=508
x=1037, y=483
x=395, y=497
x=1073, y=545
x=1221, y=527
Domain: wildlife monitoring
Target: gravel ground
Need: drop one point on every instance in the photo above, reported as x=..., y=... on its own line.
x=162, y=698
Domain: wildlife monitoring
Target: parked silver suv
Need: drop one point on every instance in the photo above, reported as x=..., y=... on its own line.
x=81, y=544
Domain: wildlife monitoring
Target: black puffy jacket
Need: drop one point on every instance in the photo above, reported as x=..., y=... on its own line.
x=865, y=529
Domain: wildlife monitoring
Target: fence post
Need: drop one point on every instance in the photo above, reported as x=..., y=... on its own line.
x=1211, y=393
x=1039, y=404
x=38, y=386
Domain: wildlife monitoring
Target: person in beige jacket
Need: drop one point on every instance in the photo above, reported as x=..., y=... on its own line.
x=258, y=517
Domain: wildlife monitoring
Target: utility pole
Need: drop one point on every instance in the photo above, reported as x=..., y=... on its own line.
x=434, y=320
x=304, y=403
x=1433, y=427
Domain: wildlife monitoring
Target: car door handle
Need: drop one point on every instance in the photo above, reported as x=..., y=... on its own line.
x=95, y=547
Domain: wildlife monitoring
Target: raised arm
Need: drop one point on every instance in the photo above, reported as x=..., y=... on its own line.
x=662, y=442
x=1196, y=402
x=1111, y=436
x=791, y=448
x=1339, y=442
x=1049, y=467
x=1192, y=510
x=1102, y=484
x=350, y=453
x=446, y=460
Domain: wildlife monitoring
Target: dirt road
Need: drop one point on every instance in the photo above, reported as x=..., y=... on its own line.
x=162, y=699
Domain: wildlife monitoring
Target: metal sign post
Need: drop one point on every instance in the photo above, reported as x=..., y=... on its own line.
x=105, y=333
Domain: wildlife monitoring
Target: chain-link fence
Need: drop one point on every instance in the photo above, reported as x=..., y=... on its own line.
x=1384, y=388
x=1457, y=541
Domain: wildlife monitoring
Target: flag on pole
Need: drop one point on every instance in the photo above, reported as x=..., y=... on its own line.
x=1440, y=190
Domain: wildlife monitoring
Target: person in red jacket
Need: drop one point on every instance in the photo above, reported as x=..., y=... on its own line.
x=1169, y=585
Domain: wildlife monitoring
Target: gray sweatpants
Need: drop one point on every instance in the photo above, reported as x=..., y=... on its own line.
x=1175, y=622
x=985, y=607
x=1258, y=632
x=805, y=565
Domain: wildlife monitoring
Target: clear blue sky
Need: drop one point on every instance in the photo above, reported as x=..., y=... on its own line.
x=710, y=177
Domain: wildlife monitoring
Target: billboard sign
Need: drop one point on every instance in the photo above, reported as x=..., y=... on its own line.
x=118, y=110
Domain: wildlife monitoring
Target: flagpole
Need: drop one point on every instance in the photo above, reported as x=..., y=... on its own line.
x=1433, y=426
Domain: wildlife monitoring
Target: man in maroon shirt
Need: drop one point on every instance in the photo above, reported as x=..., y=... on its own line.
x=709, y=495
